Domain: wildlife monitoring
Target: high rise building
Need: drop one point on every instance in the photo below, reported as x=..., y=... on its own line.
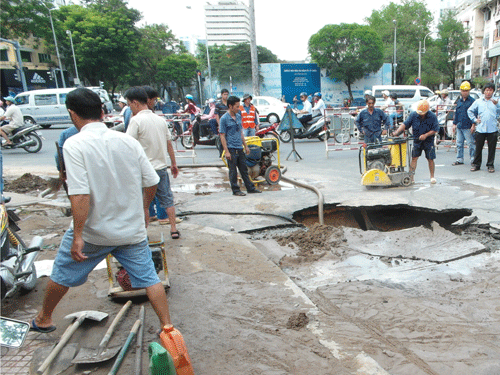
x=227, y=22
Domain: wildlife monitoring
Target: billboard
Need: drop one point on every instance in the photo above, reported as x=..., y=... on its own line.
x=296, y=78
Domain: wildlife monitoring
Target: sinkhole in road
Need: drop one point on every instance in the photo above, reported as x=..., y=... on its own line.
x=381, y=217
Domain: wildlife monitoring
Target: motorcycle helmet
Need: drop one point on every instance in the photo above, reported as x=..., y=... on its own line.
x=386, y=93
x=9, y=99
x=318, y=94
x=303, y=94
x=422, y=107
x=368, y=92
x=465, y=86
x=190, y=97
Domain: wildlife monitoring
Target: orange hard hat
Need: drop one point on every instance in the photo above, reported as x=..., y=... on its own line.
x=422, y=107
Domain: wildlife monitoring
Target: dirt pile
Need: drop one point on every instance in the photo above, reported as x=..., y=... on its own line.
x=26, y=183
x=314, y=242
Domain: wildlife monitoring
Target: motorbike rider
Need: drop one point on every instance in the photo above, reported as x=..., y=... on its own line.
x=211, y=117
x=306, y=110
x=249, y=116
x=319, y=105
x=190, y=108
x=13, y=113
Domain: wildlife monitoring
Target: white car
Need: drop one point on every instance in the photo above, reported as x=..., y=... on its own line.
x=270, y=109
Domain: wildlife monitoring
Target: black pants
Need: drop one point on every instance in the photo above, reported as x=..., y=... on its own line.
x=492, y=144
x=304, y=119
x=238, y=160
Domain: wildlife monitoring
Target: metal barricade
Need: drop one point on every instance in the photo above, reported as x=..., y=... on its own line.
x=342, y=129
x=176, y=132
x=447, y=127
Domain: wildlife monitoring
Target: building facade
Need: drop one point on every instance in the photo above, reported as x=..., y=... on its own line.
x=227, y=22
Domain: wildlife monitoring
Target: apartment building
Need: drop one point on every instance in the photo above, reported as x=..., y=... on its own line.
x=227, y=22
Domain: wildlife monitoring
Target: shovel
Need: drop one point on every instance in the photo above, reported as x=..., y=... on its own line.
x=101, y=354
x=80, y=317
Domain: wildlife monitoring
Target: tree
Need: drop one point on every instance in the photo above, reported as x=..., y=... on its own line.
x=413, y=21
x=178, y=68
x=105, y=39
x=453, y=40
x=21, y=18
x=234, y=61
x=347, y=51
x=157, y=41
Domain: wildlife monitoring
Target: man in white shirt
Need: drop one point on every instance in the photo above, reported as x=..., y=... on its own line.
x=110, y=185
x=319, y=105
x=306, y=111
x=15, y=117
x=153, y=134
x=388, y=107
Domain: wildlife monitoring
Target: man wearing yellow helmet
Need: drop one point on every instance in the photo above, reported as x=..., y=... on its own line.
x=462, y=124
x=424, y=124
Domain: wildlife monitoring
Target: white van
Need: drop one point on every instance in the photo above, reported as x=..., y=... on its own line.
x=407, y=94
x=48, y=107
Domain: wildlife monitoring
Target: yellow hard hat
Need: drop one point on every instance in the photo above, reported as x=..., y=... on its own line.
x=437, y=92
x=422, y=107
x=465, y=86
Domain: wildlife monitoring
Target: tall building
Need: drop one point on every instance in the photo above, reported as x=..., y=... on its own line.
x=227, y=22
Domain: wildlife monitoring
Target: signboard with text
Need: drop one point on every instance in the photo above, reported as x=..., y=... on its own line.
x=297, y=78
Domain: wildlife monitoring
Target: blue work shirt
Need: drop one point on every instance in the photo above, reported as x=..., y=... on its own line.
x=126, y=117
x=372, y=123
x=232, y=129
x=461, y=118
x=487, y=111
x=69, y=132
x=422, y=125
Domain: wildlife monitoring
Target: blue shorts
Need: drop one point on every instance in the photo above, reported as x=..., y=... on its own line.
x=163, y=191
x=136, y=259
x=427, y=147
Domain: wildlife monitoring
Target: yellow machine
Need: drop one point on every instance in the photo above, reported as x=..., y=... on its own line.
x=260, y=160
x=383, y=164
x=122, y=290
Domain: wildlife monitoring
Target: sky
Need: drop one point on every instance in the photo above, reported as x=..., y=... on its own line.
x=284, y=27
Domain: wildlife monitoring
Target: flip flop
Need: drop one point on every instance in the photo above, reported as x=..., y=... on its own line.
x=35, y=328
x=175, y=235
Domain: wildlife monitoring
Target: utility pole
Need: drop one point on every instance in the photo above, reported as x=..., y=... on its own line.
x=253, y=50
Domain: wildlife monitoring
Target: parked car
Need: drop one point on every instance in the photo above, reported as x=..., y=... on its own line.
x=270, y=109
x=48, y=107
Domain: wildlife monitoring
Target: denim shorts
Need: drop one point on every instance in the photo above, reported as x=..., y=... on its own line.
x=163, y=191
x=136, y=259
x=427, y=147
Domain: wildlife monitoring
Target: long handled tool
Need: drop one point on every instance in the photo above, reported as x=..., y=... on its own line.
x=123, y=352
x=138, y=346
x=102, y=353
x=80, y=317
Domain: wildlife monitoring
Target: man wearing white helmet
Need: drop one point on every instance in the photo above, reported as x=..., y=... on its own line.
x=13, y=113
x=319, y=105
x=424, y=124
x=389, y=107
x=462, y=124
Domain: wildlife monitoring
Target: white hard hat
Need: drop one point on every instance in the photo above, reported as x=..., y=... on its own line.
x=368, y=92
x=386, y=92
x=122, y=100
x=211, y=101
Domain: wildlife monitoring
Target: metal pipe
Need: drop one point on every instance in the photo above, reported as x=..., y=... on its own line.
x=55, y=43
x=77, y=82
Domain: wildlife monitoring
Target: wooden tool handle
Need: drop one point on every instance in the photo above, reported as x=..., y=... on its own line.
x=113, y=325
x=63, y=340
x=121, y=356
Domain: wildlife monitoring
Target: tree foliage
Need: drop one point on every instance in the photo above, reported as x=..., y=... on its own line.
x=413, y=21
x=347, y=51
x=21, y=18
x=233, y=61
x=178, y=68
x=453, y=40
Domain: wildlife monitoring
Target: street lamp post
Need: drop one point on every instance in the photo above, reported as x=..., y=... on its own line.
x=394, y=64
x=420, y=51
x=77, y=80
x=55, y=43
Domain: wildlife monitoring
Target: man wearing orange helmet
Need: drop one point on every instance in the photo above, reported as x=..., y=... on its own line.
x=424, y=124
x=462, y=124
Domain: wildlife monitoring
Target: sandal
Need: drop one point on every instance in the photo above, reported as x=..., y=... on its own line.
x=491, y=169
x=474, y=168
x=35, y=328
x=175, y=235
x=457, y=163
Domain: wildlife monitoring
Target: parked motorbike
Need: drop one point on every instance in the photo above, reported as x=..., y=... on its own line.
x=266, y=130
x=17, y=261
x=26, y=137
x=199, y=133
x=315, y=128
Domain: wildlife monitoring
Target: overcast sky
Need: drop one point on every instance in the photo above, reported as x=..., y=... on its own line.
x=284, y=27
